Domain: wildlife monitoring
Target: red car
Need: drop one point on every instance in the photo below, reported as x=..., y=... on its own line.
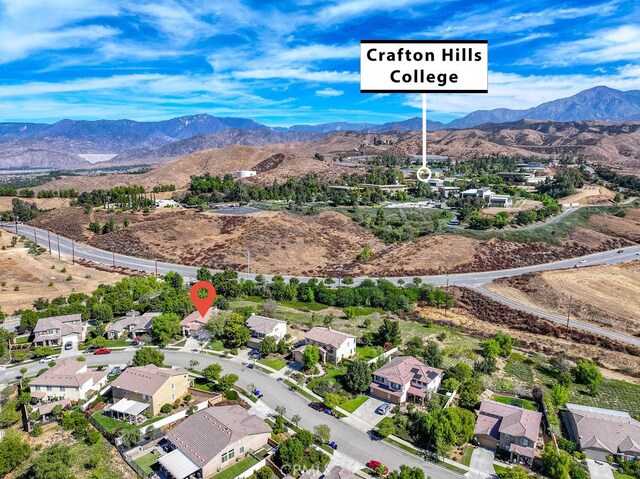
x=102, y=351
x=376, y=466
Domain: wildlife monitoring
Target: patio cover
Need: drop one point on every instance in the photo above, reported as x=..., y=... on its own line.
x=178, y=464
x=522, y=450
x=129, y=407
x=417, y=391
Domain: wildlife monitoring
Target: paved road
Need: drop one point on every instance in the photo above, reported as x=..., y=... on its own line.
x=353, y=442
x=574, y=323
x=69, y=247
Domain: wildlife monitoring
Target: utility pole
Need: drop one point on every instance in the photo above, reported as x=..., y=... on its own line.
x=58, y=238
x=446, y=301
x=49, y=239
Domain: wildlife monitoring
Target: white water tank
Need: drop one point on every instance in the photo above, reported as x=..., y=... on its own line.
x=245, y=173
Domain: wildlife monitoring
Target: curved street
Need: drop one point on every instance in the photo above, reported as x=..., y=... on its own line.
x=69, y=248
x=359, y=445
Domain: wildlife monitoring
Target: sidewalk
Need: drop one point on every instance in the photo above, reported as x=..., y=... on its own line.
x=423, y=453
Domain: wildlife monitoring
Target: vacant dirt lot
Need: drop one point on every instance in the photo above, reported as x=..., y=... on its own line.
x=33, y=274
x=590, y=195
x=43, y=203
x=524, y=205
x=608, y=295
x=627, y=227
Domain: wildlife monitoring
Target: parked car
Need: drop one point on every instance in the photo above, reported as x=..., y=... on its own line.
x=257, y=393
x=317, y=406
x=114, y=372
x=333, y=445
x=47, y=359
x=68, y=345
x=620, y=251
x=250, y=365
x=377, y=465
x=383, y=408
x=102, y=351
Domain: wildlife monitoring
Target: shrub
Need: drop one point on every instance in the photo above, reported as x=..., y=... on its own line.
x=231, y=395
x=166, y=408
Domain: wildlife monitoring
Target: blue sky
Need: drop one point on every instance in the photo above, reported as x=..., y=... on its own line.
x=283, y=63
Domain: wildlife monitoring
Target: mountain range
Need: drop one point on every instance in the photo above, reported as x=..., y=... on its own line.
x=60, y=145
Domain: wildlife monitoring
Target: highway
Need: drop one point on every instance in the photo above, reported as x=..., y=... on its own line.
x=473, y=280
x=355, y=443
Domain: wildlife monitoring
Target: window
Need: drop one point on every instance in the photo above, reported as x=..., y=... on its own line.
x=173, y=385
x=506, y=436
x=37, y=388
x=241, y=450
x=49, y=388
x=524, y=441
x=62, y=388
x=173, y=396
x=228, y=455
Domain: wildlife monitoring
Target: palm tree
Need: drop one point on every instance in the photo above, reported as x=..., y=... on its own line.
x=295, y=419
x=281, y=410
x=193, y=364
x=131, y=437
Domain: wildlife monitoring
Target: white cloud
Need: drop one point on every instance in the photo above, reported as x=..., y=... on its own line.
x=603, y=46
x=510, y=90
x=519, y=40
x=329, y=92
x=303, y=74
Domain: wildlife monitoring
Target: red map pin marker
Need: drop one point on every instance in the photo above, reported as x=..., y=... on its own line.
x=202, y=305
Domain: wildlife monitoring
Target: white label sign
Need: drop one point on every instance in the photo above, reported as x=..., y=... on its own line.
x=424, y=66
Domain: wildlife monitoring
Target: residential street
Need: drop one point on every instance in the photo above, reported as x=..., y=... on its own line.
x=351, y=441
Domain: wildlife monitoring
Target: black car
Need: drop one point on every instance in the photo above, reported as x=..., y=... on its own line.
x=317, y=406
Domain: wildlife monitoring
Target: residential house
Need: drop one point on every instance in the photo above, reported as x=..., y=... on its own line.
x=404, y=378
x=57, y=330
x=261, y=327
x=194, y=325
x=508, y=428
x=151, y=385
x=334, y=346
x=131, y=326
x=69, y=379
x=338, y=472
x=603, y=432
x=448, y=191
x=211, y=440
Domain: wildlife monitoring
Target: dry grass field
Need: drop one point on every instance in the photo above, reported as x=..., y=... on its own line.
x=608, y=295
x=33, y=274
x=590, y=195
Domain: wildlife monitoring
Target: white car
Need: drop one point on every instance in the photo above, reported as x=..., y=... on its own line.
x=582, y=261
x=47, y=359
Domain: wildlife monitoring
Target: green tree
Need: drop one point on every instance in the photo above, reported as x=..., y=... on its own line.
x=174, y=279
x=165, y=327
x=469, y=392
x=144, y=356
x=358, y=376
x=13, y=451
x=53, y=463
x=516, y=472
x=491, y=349
x=131, y=437
x=268, y=346
x=587, y=372
x=212, y=372
x=449, y=385
x=102, y=313
x=414, y=347
x=236, y=332
x=322, y=433
x=559, y=395
x=389, y=332
x=332, y=400
x=505, y=342
x=461, y=372
x=433, y=355
x=10, y=413
x=407, y=472
x=41, y=351
x=290, y=454
x=556, y=463
x=386, y=427
x=227, y=381
x=295, y=419
x=305, y=437
x=310, y=356
x=28, y=319
x=193, y=364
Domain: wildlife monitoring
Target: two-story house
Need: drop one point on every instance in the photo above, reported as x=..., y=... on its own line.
x=334, y=346
x=261, y=327
x=211, y=440
x=131, y=325
x=151, y=385
x=55, y=331
x=69, y=379
x=508, y=428
x=404, y=378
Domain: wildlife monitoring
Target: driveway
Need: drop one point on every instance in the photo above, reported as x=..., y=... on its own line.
x=599, y=471
x=74, y=351
x=365, y=418
x=481, y=466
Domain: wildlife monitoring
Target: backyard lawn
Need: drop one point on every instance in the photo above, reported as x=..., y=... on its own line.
x=237, y=469
x=274, y=363
x=515, y=402
x=111, y=424
x=351, y=406
x=117, y=343
x=368, y=352
x=147, y=461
